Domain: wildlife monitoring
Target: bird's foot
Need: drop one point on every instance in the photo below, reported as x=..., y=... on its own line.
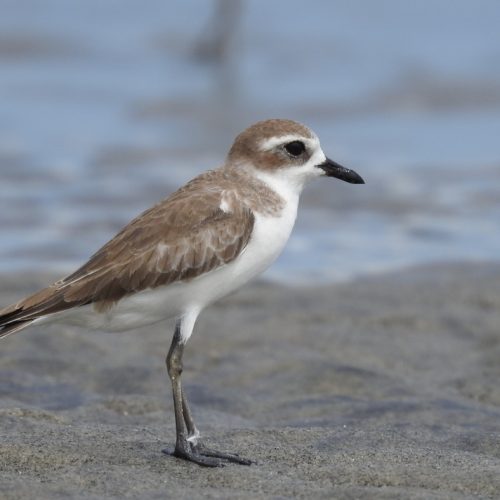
x=234, y=458
x=206, y=457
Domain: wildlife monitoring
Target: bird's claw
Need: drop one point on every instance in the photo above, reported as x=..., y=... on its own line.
x=206, y=457
x=234, y=458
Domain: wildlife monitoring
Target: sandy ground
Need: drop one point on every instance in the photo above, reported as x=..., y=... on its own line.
x=386, y=387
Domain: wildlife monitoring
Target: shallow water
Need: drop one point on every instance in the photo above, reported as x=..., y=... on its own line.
x=106, y=108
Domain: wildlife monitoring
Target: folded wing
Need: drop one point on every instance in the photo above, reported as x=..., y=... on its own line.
x=179, y=239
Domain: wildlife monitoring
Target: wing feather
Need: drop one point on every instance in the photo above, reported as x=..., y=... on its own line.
x=179, y=239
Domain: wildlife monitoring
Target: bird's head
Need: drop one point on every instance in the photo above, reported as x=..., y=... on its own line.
x=287, y=151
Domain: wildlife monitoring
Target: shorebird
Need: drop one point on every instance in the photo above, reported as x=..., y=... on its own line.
x=204, y=241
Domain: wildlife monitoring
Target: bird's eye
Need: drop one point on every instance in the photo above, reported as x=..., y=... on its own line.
x=295, y=148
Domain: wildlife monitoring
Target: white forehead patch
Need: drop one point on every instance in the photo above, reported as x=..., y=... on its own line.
x=311, y=143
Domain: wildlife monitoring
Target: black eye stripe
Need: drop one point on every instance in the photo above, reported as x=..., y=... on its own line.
x=295, y=148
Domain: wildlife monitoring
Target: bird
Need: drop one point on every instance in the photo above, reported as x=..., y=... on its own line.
x=204, y=241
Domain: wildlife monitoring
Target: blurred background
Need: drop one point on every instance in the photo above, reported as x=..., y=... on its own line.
x=107, y=107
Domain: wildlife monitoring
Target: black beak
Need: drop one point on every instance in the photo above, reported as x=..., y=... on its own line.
x=333, y=169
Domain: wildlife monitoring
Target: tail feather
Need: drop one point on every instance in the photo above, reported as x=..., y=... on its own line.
x=43, y=303
x=13, y=327
x=18, y=316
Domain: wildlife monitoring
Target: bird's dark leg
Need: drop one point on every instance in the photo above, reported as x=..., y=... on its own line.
x=187, y=445
x=193, y=433
x=174, y=366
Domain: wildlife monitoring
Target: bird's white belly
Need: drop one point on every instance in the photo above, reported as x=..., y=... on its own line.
x=268, y=239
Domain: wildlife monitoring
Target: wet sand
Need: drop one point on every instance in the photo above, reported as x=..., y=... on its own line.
x=385, y=387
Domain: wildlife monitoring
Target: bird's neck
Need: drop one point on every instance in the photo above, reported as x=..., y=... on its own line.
x=263, y=192
x=285, y=187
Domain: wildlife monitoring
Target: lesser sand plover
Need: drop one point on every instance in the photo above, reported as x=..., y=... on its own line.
x=207, y=239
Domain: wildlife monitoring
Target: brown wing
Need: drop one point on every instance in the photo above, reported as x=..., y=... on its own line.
x=179, y=239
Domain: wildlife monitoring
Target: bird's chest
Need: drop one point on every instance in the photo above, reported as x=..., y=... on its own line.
x=268, y=239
